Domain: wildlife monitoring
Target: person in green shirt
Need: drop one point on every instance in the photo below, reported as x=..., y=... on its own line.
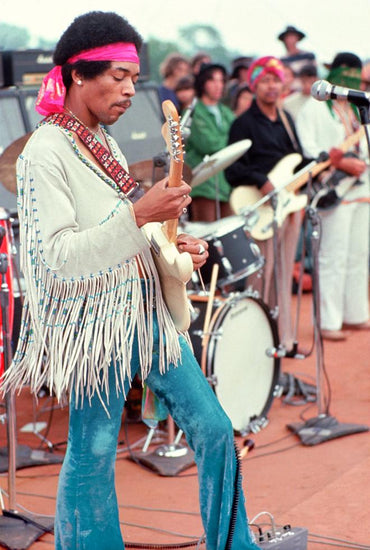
x=209, y=132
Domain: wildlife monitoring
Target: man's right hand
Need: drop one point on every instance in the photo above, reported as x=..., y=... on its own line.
x=267, y=187
x=353, y=166
x=162, y=203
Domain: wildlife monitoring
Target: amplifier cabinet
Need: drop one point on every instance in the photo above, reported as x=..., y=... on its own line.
x=1, y=70
x=26, y=67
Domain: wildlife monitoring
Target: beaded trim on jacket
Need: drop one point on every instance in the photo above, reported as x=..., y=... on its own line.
x=75, y=328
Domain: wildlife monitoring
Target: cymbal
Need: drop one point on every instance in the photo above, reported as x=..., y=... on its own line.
x=142, y=172
x=8, y=160
x=213, y=164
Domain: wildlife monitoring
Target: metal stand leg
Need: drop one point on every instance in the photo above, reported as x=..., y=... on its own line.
x=16, y=530
x=168, y=459
x=322, y=427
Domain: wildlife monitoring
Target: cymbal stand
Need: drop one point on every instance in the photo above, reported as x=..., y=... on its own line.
x=160, y=161
x=275, y=245
x=217, y=196
x=167, y=459
x=18, y=530
x=173, y=457
x=322, y=427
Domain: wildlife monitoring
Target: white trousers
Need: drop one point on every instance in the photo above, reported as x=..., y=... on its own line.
x=287, y=240
x=344, y=262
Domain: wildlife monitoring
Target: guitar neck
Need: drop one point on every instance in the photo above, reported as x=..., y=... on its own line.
x=174, y=180
x=298, y=182
x=171, y=132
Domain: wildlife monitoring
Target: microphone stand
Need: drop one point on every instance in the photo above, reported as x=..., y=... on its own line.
x=322, y=427
x=365, y=121
x=16, y=530
x=251, y=215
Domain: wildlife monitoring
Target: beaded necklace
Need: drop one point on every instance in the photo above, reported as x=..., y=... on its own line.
x=101, y=140
x=127, y=185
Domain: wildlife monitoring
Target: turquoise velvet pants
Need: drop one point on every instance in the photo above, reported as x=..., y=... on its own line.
x=87, y=511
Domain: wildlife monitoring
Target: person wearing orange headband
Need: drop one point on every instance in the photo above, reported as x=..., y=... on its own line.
x=273, y=137
x=94, y=314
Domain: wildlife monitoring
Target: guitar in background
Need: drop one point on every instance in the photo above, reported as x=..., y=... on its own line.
x=287, y=183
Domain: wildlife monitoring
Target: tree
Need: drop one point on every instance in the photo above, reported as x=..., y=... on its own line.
x=192, y=39
x=157, y=51
x=205, y=38
x=44, y=44
x=13, y=37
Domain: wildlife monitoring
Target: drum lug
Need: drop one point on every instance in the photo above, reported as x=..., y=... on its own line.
x=227, y=265
x=212, y=380
x=250, y=292
x=217, y=334
x=219, y=247
x=257, y=424
x=274, y=312
x=278, y=390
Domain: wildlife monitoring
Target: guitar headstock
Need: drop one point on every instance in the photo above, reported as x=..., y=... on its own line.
x=171, y=131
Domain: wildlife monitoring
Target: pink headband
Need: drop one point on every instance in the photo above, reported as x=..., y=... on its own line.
x=262, y=66
x=52, y=92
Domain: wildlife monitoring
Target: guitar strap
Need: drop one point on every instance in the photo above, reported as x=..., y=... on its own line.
x=289, y=129
x=126, y=184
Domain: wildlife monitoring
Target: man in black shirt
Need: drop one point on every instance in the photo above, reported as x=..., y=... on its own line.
x=273, y=137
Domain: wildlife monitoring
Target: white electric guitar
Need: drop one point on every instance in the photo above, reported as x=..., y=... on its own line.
x=174, y=268
x=286, y=182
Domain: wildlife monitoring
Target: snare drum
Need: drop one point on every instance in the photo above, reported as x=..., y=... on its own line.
x=236, y=356
x=237, y=255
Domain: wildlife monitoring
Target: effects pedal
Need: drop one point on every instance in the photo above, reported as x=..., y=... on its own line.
x=287, y=538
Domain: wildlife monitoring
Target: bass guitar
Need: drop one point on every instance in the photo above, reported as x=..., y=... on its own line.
x=174, y=268
x=286, y=183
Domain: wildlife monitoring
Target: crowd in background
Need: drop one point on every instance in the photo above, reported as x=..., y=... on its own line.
x=264, y=100
x=301, y=68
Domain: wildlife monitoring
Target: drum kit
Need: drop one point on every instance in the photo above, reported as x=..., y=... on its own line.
x=241, y=329
x=236, y=348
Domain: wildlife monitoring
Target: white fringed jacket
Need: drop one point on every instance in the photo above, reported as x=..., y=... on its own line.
x=80, y=252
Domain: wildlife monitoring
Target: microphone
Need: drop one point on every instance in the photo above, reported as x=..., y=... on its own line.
x=323, y=91
x=186, y=119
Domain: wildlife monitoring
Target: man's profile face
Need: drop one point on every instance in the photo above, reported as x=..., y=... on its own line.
x=108, y=95
x=269, y=88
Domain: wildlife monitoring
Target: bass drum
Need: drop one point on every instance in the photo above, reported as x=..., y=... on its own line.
x=235, y=356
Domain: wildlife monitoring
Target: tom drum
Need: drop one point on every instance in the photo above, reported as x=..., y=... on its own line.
x=231, y=247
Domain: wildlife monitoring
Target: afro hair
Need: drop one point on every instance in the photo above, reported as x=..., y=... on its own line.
x=92, y=30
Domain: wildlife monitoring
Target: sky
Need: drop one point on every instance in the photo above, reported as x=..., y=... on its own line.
x=250, y=26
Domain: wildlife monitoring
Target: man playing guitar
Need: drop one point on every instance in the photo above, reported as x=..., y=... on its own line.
x=273, y=137
x=94, y=314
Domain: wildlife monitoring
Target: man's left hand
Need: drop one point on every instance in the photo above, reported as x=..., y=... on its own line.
x=197, y=248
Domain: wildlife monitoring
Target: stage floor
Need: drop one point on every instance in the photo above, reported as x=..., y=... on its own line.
x=323, y=488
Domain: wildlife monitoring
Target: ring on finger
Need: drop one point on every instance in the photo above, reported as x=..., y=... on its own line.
x=201, y=250
x=185, y=210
